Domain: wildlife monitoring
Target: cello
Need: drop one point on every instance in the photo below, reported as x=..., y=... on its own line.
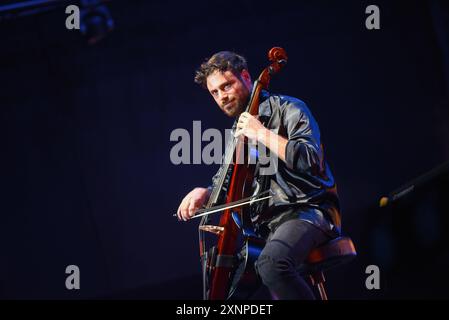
x=228, y=269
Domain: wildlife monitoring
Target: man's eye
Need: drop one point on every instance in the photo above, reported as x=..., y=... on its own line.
x=227, y=87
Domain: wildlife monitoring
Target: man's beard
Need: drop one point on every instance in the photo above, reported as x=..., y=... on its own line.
x=240, y=106
x=237, y=109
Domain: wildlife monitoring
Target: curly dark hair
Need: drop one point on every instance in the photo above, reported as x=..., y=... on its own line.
x=222, y=61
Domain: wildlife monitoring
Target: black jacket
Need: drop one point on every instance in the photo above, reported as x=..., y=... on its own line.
x=303, y=186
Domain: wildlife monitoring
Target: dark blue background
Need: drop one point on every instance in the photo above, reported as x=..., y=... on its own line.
x=86, y=176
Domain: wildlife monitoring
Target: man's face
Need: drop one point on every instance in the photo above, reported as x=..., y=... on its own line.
x=229, y=91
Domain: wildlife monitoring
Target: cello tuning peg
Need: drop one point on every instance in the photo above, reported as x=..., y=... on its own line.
x=282, y=62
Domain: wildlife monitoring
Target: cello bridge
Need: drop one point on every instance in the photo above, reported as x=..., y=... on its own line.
x=213, y=229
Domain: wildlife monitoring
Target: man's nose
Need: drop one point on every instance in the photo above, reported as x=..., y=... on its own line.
x=223, y=96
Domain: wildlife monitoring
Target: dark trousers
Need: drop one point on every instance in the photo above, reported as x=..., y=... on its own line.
x=286, y=248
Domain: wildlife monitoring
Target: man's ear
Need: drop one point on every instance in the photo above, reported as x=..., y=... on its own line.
x=246, y=77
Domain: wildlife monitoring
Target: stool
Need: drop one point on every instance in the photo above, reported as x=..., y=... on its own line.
x=329, y=255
